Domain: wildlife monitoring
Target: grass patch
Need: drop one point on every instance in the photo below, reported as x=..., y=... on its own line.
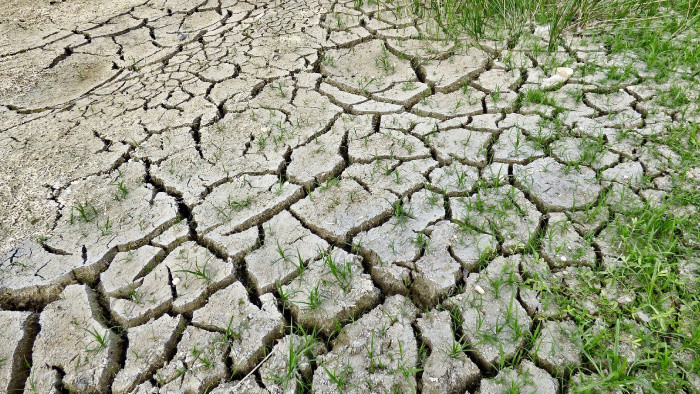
x=649, y=341
x=655, y=20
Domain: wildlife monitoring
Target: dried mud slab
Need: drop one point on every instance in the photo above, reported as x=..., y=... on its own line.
x=390, y=175
x=448, y=250
x=395, y=241
x=32, y=275
x=74, y=348
x=104, y=214
x=587, y=151
x=503, y=212
x=526, y=376
x=244, y=202
x=563, y=246
x=444, y=370
x=247, y=328
x=15, y=347
x=187, y=175
x=288, y=248
x=127, y=267
x=556, y=187
x=330, y=289
x=196, y=273
x=320, y=159
x=454, y=179
x=381, y=359
x=342, y=208
x=558, y=349
x=290, y=363
x=150, y=298
x=494, y=323
x=385, y=144
x=461, y=145
x=463, y=102
x=101, y=216
x=514, y=147
x=149, y=347
x=449, y=74
x=198, y=363
x=366, y=68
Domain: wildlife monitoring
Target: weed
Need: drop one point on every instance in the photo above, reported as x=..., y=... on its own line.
x=382, y=61
x=632, y=18
x=199, y=272
x=200, y=355
x=342, y=272
x=538, y=96
x=402, y=213
x=341, y=378
x=329, y=183
x=421, y=241
x=86, y=211
x=100, y=339
x=327, y=60
x=122, y=191
x=315, y=299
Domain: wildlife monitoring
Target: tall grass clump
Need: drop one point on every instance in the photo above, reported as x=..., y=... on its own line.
x=476, y=17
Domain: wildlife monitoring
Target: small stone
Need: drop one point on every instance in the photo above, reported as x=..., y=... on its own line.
x=565, y=72
x=562, y=75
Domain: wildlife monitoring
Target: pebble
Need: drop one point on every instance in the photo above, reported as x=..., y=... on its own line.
x=562, y=75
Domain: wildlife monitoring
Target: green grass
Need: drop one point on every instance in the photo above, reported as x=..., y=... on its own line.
x=660, y=321
x=652, y=244
x=665, y=45
x=99, y=339
x=479, y=18
x=297, y=353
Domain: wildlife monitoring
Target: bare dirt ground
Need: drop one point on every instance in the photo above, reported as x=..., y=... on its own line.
x=193, y=189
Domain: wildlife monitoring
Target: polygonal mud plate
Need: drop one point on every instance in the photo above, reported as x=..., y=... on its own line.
x=75, y=341
x=494, y=323
x=247, y=328
x=331, y=289
x=380, y=360
x=341, y=208
x=446, y=369
x=503, y=212
x=557, y=187
x=288, y=246
x=244, y=202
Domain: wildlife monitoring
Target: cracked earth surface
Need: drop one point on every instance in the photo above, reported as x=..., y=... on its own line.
x=202, y=174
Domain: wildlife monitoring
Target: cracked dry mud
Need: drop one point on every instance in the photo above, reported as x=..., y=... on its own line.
x=184, y=180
